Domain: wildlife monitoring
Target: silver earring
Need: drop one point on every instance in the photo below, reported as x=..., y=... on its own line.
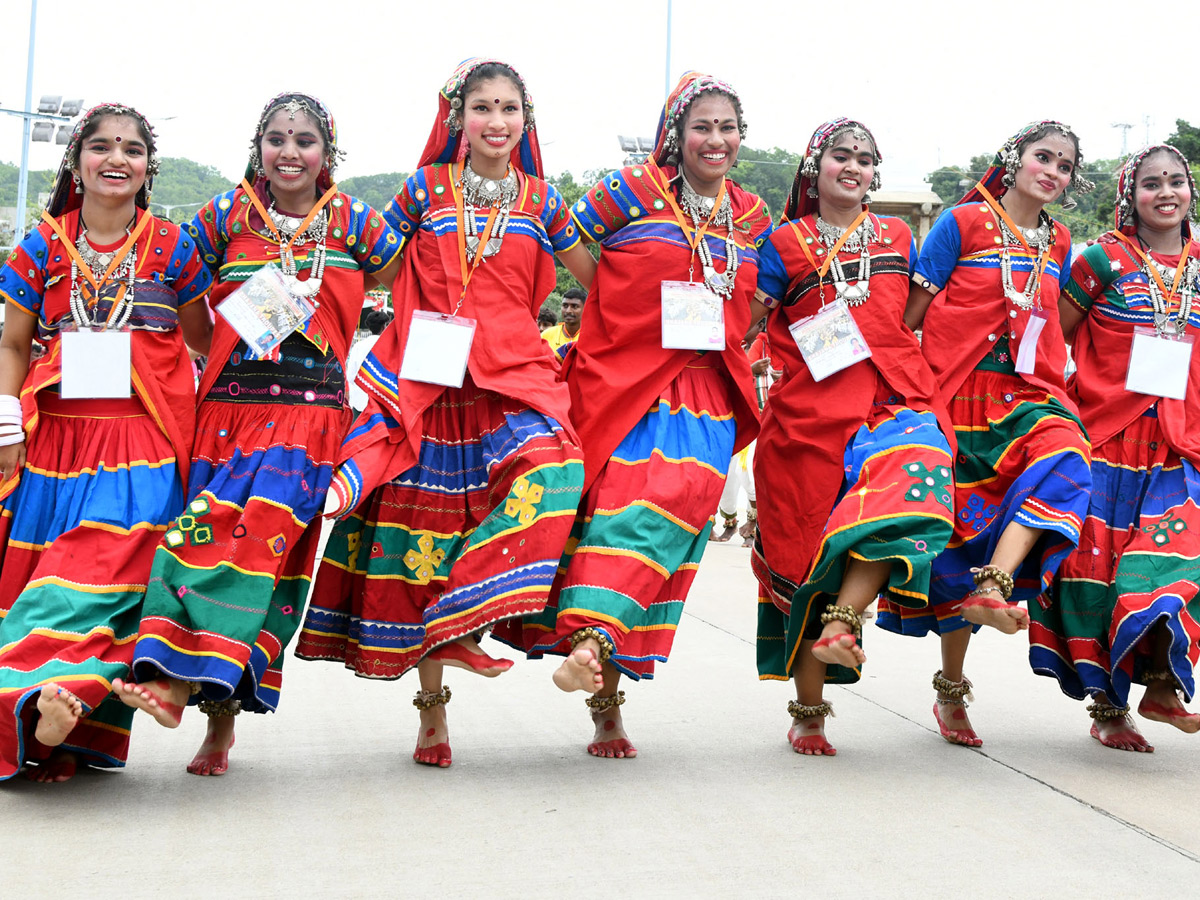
x=1008, y=179
x=1068, y=202
x=812, y=192
x=78, y=182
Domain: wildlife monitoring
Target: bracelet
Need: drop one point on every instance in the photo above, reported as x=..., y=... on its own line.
x=603, y=704
x=955, y=690
x=1104, y=712
x=10, y=406
x=429, y=699
x=845, y=614
x=215, y=709
x=606, y=645
x=1003, y=579
x=797, y=710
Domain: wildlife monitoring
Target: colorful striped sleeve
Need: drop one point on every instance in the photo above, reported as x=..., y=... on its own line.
x=369, y=236
x=23, y=278
x=209, y=228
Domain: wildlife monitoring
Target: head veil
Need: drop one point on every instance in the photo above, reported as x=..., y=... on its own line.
x=1124, y=218
x=63, y=196
x=690, y=86
x=446, y=144
x=1007, y=160
x=802, y=199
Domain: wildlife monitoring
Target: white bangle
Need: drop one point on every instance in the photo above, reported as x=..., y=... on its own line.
x=10, y=405
x=7, y=440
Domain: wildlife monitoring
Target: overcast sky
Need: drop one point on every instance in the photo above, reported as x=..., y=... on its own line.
x=936, y=82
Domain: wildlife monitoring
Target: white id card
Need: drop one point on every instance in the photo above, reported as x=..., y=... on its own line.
x=1027, y=353
x=263, y=311
x=95, y=364
x=693, y=317
x=830, y=340
x=1159, y=364
x=437, y=349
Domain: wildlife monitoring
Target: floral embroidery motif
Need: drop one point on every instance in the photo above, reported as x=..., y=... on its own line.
x=523, y=504
x=425, y=559
x=1162, y=530
x=978, y=513
x=928, y=481
x=187, y=529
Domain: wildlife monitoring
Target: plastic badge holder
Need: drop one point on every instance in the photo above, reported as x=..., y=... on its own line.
x=95, y=364
x=437, y=348
x=693, y=317
x=263, y=311
x=830, y=340
x=1027, y=352
x=1159, y=364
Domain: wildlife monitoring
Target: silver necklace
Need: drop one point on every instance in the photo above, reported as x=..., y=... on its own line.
x=699, y=208
x=1186, y=294
x=98, y=264
x=478, y=191
x=287, y=226
x=1023, y=299
x=860, y=240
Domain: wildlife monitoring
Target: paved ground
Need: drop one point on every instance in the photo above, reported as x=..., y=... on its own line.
x=323, y=800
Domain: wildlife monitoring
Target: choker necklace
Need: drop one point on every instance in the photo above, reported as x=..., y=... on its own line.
x=287, y=226
x=486, y=193
x=1040, y=240
x=98, y=263
x=859, y=241
x=699, y=208
x=1187, y=291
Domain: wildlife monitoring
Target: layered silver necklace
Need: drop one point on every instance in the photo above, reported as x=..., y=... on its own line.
x=1187, y=291
x=1038, y=239
x=98, y=263
x=485, y=193
x=859, y=241
x=699, y=208
x=287, y=226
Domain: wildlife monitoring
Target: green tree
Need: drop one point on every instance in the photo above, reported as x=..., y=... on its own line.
x=182, y=186
x=767, y=173
x=376, y=191
x=1187, y=139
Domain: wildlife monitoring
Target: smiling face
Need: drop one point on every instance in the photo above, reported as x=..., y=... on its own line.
x=113, y=160
x=293, y=152
x=1046, y=167
x=709, y=142
x=847, y=167
x=1161, y=192
x=493, y=118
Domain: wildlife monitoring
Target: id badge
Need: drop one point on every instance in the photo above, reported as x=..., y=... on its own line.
x=263, y=311
x=1159, y=364
x=1027, y=352
x=693, y=317
x=830, y=340
x=95, y=364
x=437, y=349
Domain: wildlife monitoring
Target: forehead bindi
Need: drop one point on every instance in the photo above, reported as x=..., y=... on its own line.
x=1160, y=165
x=1056, y=146
x=716, y=109
x=495, y=92
x=117, y=130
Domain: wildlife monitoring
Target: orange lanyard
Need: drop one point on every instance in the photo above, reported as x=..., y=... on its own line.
x=266, y=216
x=1002, y=213
x=86, y=270
x=697, y=236
x=823, y=269
x=467, y=270
x=1153, y=269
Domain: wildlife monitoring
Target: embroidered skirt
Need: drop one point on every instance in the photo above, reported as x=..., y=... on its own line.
x=1137, y=566
x=1022, y=457
x=468, y=537
x=642, y=528
x=99, y=487
x=231, y=576
x=895, y=505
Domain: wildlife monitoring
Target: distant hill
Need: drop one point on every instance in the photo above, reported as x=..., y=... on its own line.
x=374, y=190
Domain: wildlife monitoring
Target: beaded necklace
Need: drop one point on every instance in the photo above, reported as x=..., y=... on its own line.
x=1040, y=240
x=98, y=264
x=853, y=294
x=700, y=208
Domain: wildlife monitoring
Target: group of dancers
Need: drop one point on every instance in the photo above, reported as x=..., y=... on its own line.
x=159, y=548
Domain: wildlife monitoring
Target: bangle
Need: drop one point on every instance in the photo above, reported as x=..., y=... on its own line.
x=10, y=406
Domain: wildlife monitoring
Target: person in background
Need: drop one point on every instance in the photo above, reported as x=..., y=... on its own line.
x=561, y=336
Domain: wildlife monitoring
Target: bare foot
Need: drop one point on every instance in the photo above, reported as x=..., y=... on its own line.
x=807, y=737
x=213, y=756
x=61, y=766
x=581, y=670
x=993, y=610
x=730, y=529
x=465, y=653
x=838, y=647
x=951, y=715
x=58, y=711
x=433, y=740
x=1121, y=734
x=1161, y=703
x=746, y=532
x=610, y=740
x=164, y=698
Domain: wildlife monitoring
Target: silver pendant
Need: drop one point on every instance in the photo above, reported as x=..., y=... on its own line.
x=718, y=282
x=491, y=249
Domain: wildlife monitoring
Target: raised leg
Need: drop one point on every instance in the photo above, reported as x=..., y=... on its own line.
x=808, y=712
x=164, y=698
x=838, y=644
x=433, y=740
x=465, y=653
x=987, y=604
x=583, y=669
x=950, y=708
x=58, y=711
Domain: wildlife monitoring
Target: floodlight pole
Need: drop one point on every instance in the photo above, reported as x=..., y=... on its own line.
x=23, y=184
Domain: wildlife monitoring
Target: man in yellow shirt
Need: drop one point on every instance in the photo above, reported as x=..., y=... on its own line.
x=561, y=336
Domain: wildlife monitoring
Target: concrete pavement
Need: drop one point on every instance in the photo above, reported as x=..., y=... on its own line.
x=323, y=799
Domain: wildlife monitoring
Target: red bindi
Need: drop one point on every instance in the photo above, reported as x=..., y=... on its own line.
x=118, y=139
x=289, y=131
